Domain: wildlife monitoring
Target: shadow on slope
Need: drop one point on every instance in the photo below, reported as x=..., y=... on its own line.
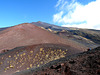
x=86, y=63
x=25, y=58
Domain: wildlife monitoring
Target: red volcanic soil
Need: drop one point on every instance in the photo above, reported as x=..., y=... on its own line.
x=86, y=63
x=29, y=34
x=28, y=57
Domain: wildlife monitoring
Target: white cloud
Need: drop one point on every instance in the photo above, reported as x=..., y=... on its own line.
x=58, y=3
x=75, y=14
x=58, y=16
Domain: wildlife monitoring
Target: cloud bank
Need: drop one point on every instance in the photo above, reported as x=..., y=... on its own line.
x=75, y=14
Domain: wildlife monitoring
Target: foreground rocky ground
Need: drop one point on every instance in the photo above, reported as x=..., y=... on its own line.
x=86, y=63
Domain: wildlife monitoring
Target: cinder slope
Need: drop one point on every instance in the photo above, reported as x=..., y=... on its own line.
x=80, y=39
x=25, y=58
x=87, y=37
x=86, y=63
x=29, y=34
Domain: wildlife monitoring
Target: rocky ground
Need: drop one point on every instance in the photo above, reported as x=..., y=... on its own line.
x=28, y=34
x=86, y=63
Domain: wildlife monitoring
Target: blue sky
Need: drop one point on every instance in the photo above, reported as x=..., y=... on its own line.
x=13, y=12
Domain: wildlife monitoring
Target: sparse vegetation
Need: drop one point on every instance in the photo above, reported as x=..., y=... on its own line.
x=89, y=35
x=43, y=56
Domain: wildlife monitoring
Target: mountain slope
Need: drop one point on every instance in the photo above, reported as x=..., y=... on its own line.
x=48, y=26
x=86, y=63
x=24, y=58
x=29, y=34
x=93, y=35
x=87, y=37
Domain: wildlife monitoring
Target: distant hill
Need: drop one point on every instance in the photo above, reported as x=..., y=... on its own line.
x=3, y=28
x=88, y=37
x=30, y=34
x=49, y=26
